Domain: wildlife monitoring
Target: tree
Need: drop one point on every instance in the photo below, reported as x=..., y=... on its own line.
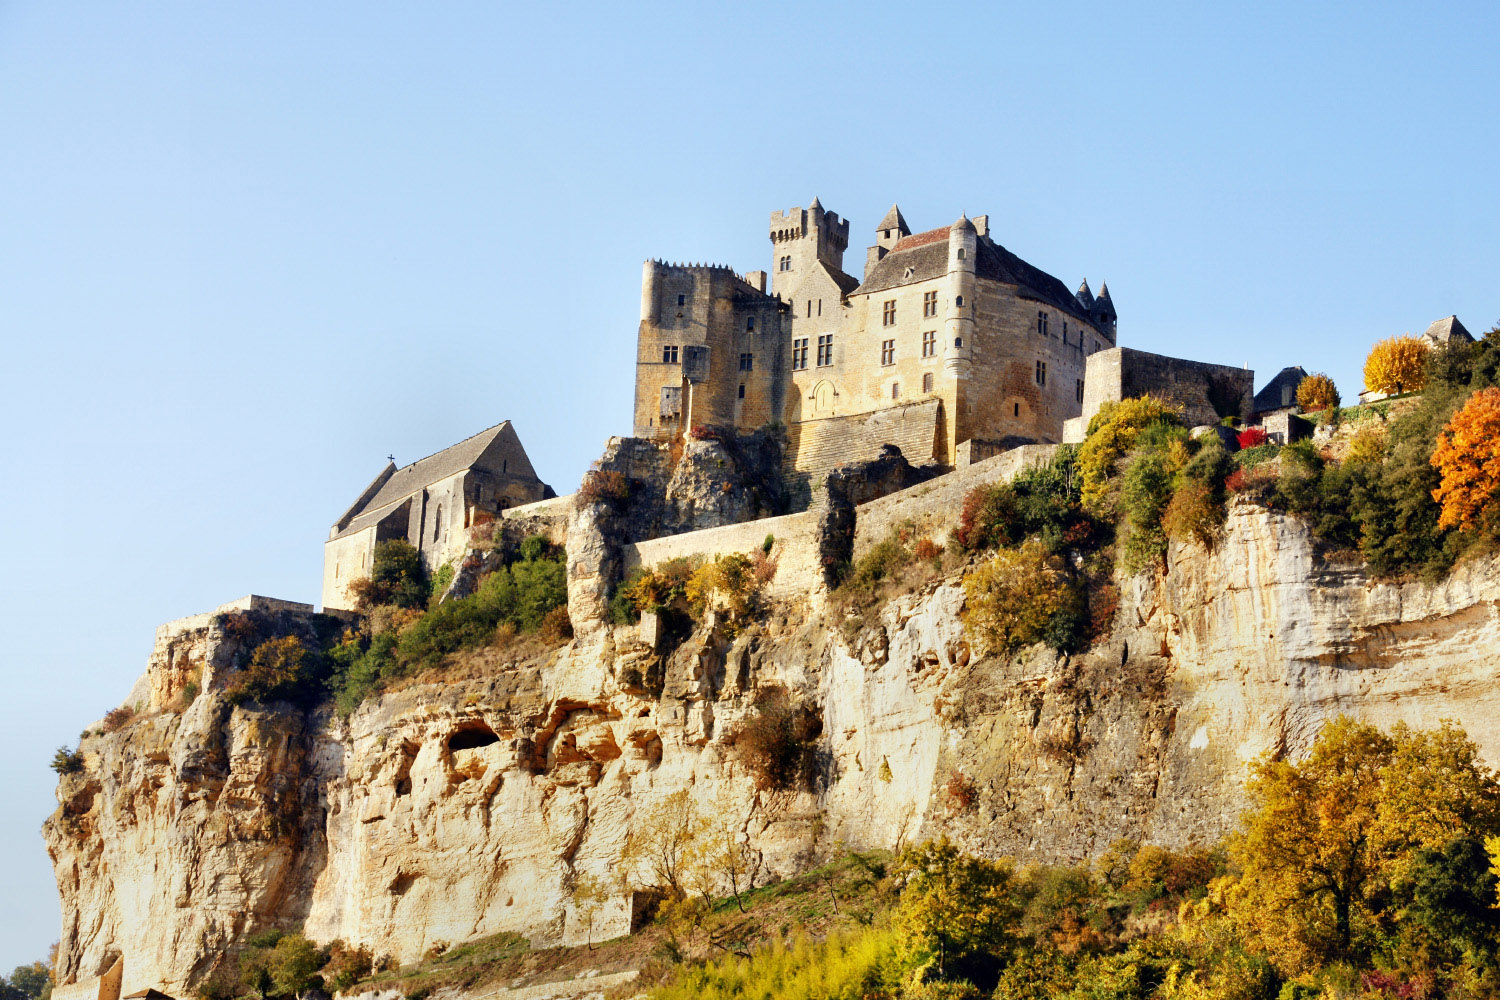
x=397, y=576
x=1011, y=599
x=1317, y=392
x=1336, y=842
x=958, y=912
x=589, y=895
x=663, y=844
x=1396, y=365
x=1468, y=458
x=293, y=964
x=1112, y=434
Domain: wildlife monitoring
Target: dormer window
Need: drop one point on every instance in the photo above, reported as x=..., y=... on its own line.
x=908, y=273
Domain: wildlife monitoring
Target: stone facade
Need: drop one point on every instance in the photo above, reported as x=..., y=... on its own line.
x=1207, y=393
x=948, y=317
x=432, y=504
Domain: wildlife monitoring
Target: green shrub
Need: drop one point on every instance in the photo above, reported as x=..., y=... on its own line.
x=281, y=669
x=66, y=761
x=1112, y=434
x=397, y=576
x=1022, y=596
x=442, y=580
x=727, y=582
x=1249, y=458
x=1145, y=491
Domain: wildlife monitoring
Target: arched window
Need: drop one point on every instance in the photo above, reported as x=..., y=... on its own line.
x=960, y=253
x=958, y=300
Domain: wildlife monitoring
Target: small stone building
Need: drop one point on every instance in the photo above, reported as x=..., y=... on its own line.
x=432, y=503
x=1280, y=393
x=1206, y=393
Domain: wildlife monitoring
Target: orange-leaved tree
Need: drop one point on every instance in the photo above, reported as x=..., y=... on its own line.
x=1468, y=456
x=1397, y=365
x=1317, y=392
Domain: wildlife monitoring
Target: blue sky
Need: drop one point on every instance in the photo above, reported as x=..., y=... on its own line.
x=247, y=250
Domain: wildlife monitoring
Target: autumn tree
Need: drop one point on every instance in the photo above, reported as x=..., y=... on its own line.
x=663, y=845
x=397, y=576
x=1397, y=365
x=1468, y=457
x=589, y=894
x=1317, y=392
x=957, y=912
x=1111, y=434
x=1331, y=853
x=1011, y=599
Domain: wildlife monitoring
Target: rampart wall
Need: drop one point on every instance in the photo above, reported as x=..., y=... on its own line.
x=817, y=447
x=934, y=507
x=799, y=568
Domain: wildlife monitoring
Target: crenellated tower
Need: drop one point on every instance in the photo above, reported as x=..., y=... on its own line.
x=802, y=238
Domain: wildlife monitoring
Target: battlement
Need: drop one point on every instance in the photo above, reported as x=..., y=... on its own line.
x=798, y=223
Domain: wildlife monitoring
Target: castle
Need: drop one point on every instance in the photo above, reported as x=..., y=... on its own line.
x=950, y=346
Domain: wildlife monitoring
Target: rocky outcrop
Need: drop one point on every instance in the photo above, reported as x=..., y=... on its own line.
x=464, y=805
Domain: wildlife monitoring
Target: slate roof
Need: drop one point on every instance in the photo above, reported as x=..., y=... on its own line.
x=927, y=256
x=1446, y=329
x=846, y=282
x=403, y=482
x=1269, y=397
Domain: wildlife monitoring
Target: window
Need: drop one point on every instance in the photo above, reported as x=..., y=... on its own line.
x=749, y=324
x=929, y=343
x=669, y=354
x=958, y=341
x=1041, y=323
x=927, y=382
x=820, y=307
x=742, y=390
x=1080, y=390
x=1018, y=408
x=887, y=352
x=747, y=362
x=888, y=314
x=958, y=300
x=785, y=264
x=437, y=522
x=895, y=390
x=1065, y=331
x=887, y=234
x=929, y=303
x=960, y=253
x=799, y=354
x=682, y=300
x=809, y=308
x=1041, y=373
x=825, y=350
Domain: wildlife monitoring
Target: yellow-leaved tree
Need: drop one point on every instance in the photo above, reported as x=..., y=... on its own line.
x=1111, y=434
x=1317, y=392
x=1468, y=456
x=1396, y=365
x=955, y=909
x=1336, y=858
x=1010, y=600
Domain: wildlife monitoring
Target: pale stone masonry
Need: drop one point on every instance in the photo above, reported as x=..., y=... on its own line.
x=1206, y=393
x=431, y=503
x=947, y=317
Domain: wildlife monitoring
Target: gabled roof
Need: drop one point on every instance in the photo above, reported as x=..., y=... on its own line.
x=1270, y=395
x=926, y=254
x=1446, y=329
x=394, y=485
x=149, y=994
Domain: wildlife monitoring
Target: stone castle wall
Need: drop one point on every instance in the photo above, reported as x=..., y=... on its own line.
x=795, y=549
x=817, y=447
x=1206, y=392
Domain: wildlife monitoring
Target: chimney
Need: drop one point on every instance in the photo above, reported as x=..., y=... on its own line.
x=756, y=280
x=981, y=224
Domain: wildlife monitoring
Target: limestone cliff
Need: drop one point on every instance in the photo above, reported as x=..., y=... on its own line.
x=460, y=807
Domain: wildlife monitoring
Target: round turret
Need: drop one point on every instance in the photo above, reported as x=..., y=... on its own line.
x=963, y=225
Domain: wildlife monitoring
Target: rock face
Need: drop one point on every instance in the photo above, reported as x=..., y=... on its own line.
x=464, y=806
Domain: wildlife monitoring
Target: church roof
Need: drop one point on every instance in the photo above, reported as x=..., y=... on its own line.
x=1446, y=329
x=926, y=254
x=394, y=485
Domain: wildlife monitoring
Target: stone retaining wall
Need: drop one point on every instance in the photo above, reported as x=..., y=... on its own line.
x=795, y=548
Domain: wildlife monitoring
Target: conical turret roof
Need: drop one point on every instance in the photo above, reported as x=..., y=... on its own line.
x=1104, y=305
x=1084, y=295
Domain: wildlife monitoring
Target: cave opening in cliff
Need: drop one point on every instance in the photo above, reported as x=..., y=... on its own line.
x=472, y=737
